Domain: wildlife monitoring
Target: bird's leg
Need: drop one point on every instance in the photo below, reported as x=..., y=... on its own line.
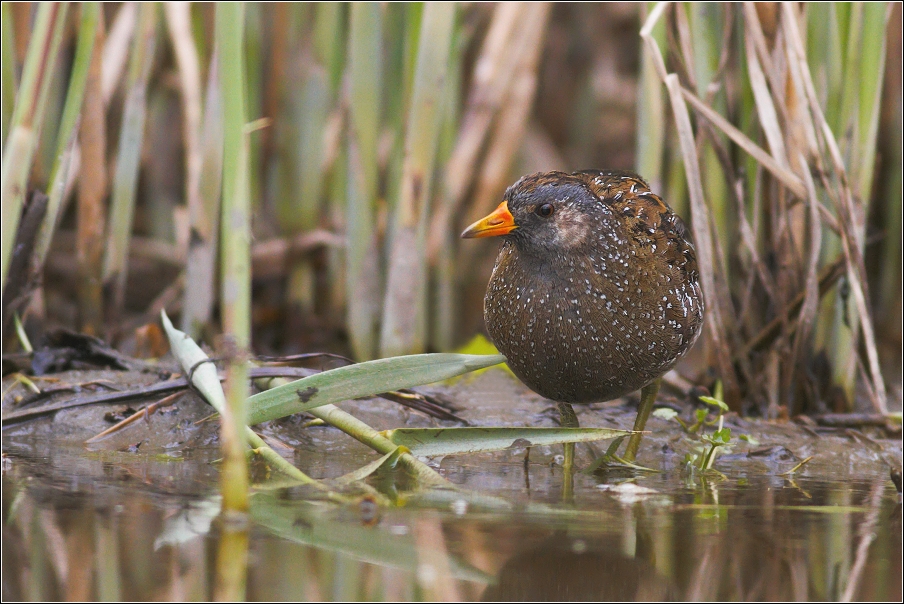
x=568, y=419
x=647, y=398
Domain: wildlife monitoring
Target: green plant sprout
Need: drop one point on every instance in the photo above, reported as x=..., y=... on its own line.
x=704, y=459
x=720, y=438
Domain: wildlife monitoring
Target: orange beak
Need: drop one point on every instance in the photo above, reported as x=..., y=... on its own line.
x=499, y=222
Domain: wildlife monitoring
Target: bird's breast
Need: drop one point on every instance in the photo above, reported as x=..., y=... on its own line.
x=583, y=327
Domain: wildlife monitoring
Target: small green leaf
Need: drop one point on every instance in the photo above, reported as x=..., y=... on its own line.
x=701, y=415
x=750, y=439
x=723, y=435
x=715, y=403
x=614, y=445
x=23, y=337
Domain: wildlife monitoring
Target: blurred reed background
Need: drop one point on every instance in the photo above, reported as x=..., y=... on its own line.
x=361, y=138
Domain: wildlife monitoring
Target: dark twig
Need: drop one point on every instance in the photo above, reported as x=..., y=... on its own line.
x=292, y=358
x=21, y=277
x=93, y=399
x=51, y=390
x=851, y=420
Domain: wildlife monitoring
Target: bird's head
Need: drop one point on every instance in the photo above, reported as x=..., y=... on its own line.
x=549, y=211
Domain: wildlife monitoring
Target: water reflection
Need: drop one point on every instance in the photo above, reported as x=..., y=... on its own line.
x=574, y=569
x=752, y=539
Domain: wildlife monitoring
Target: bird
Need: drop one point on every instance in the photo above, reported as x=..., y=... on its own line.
x=595, y=292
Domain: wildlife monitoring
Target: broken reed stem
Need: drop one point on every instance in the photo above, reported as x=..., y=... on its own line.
x=717, y=322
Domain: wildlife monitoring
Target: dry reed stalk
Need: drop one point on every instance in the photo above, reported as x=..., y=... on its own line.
x=851, y=215
x=502, y=49
x=801, y=143
x=125, y=178
x=204, y=220
x=403, y=329
x=178, y=20
x=202, y=204
x=719, y=309
x=718, y=321
x=488, y=139
x=810, y=306
x=508, y=58
x=505, y=136
x=116, y=48
x=92, y=193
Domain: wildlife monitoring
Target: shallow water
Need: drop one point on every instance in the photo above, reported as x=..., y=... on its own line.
x=130, y=535
x=126, y=524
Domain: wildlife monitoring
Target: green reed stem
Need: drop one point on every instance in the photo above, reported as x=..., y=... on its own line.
x=26, y=123
x=363, y=433
x=8, y=80
x=362, y=263
x=236, y=250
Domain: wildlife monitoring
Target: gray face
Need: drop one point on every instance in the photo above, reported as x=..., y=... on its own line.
x=552, y=218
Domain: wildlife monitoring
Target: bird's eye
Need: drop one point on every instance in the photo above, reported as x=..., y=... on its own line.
x=545, y=210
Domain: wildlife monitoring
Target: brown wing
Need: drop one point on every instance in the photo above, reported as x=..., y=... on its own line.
x=646, y=217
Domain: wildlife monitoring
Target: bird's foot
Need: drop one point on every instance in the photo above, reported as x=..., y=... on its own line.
x=610, y=460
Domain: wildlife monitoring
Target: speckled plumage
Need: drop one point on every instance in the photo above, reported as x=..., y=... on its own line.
x=598, y=299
